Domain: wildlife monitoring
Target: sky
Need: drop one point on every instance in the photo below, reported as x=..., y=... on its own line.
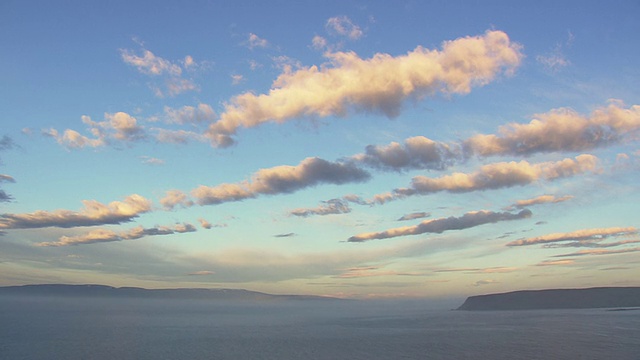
x=359, y=149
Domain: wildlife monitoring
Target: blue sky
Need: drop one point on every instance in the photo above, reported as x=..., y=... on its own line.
x=357, y=149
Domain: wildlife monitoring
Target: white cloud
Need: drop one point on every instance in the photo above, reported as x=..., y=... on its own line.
x=116, y=128
x=379, y=84
x=150, y=64
x=170, y=74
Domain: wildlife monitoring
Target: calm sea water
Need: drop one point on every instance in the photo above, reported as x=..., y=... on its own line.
x=90, y=328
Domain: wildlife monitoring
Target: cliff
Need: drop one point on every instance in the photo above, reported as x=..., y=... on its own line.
x=602, y=297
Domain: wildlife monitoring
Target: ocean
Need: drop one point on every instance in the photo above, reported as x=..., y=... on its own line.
x=124, y=328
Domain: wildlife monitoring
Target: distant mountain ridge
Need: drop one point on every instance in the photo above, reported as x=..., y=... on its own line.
x=600, y=297
x=90, y=290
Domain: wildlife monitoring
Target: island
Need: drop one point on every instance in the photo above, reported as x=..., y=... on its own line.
x=597, y=297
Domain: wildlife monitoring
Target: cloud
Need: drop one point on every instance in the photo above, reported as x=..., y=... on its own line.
x=556, y=59
x=171, y=72
x=204, y=223
x=333, y=206
x=94, y=213
x=203, y=113
x=151, y=160
x=371, y=271
x=600, y=252
x=202, y=272
x=379, y=84
x=6, y=178
x=255, y=41
x=318, y=42
x=556, y=262
x=173, y=198
x=542, y=199
x=559, y=130
x=150, y=64
x=415, y=215
x=579, y=235
x=493, y=176
x=118, y=127
x=282, y=180
x=343, y=26
x=468, y=220
x=485, y=282
x=236, y=79
x=490, y=270
x=167, y=136
x=6, y=143
x=104, y=235
x=285, y=235
x=417, y=152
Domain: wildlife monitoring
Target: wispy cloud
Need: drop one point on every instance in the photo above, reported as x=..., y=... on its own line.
x=555, y=60
x=468, y=220
x=254, y=41
x=579, y=235
x=194, y=115
x=600, y=252
x=542, y=199
x=151, y=160
x=329, y=207
x=116, y=128
x=343, y=26
x=372, y=271
x=105, y=235
x=285, y=235
x=94, y=213
x=485, y=282
x=171, y=72
x=490, y=270
x=414, y=216
x=556, y=262
x=380, y=84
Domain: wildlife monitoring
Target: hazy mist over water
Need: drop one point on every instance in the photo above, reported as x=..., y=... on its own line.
x=119, y=328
